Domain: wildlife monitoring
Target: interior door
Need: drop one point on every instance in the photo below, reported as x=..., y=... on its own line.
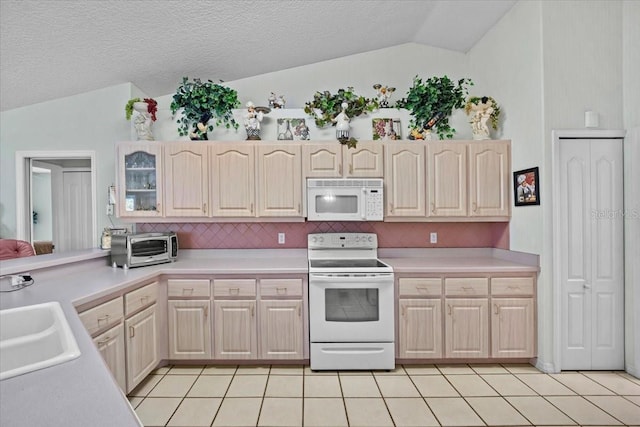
x=592, y=265
x=77, y=224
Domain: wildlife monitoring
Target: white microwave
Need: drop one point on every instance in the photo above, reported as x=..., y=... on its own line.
x=345, y=199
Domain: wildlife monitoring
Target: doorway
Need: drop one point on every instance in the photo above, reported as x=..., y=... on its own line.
x=589, y=267
x=56, y=198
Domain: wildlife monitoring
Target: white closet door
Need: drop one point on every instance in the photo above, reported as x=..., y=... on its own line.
x=77, y=211
x=591, y=231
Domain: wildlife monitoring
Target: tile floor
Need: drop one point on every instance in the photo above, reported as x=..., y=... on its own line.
x=411, y=395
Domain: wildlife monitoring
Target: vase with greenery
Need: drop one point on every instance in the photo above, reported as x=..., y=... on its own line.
x=482, y=109
x=147, y=110
x=431, y=103
x=201, y=102
x=326, y=106
x=151, y=107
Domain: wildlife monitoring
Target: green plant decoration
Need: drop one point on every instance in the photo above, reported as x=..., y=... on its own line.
x=431, y=103
x=201, y=102
x=330, y=106
x=475, y=100
x=129, y=107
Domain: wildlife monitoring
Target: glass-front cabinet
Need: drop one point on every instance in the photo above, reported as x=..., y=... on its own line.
x=139, y=180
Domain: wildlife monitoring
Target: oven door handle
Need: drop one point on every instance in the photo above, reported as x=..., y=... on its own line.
x=332, y=279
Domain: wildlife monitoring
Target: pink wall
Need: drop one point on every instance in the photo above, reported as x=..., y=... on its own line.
x=390, y=234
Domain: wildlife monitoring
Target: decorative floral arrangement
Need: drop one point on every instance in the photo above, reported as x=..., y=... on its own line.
x=330, y=105
x=476, y=100
x=152, y=107
x=431, y=103
x=201, y=102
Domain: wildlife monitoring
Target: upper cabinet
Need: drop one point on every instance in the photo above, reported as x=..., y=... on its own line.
x=186, y=179
x=232, y=183
x=279, y=180
x=489, y=168
x=404, y=180
x=447, y=179
x=334, y=160
x=139, y=177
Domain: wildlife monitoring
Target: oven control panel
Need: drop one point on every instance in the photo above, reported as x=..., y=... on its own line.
x=343, y=240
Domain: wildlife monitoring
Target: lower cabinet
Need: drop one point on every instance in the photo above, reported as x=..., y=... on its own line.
x=281, y=328
x=466, y=328
x=189, y=329
x=142, y=345
x=235, y=329
x=111, y=346
x=420, y=328
x=512, y=329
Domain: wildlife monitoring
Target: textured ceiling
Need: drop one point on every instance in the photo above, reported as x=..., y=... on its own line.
x=51, y=49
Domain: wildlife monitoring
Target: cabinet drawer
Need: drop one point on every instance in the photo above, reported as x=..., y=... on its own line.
x=281, y=287
x=234, y=288
x=102, y=316
x=466, y=286
x=139, y=298
x=191, y=288
x=416, y=287
x=512, y=286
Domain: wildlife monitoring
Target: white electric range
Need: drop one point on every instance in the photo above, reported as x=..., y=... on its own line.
x=351, y=303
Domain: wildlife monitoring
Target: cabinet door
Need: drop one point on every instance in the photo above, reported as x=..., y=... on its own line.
x=232, y=182
x=139, y=177
x=512, y=327
x=279, y=180
x=281, y=329
x=364, y=161
x=447, y=178
x=489, y=166
x=404, y=179
x=142, y=346
x=467, y=328
x=111, y=346
x=235, y=329
x=189, y=329
x=186, y=179
x=420, y=328
x=322, y=160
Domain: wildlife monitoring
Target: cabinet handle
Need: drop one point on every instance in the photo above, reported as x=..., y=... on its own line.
x=187, y=291
x=390, y=207
x=350, y=168
x=449, y=309
x=403, y=308
x=433, y=207
x=495, y=308
x=234, y=291
x=132, y=332
x=475, y=207
x=144, y=299
x=104, y=341
x=467, y=289
x=251, y=208
x=206, y=311
x=340, y=169
x=158, y=207
x=299, y=311
x=252, y=311
x=281, y=291
x=104, y=318
x=204, y=208
x=299, y=208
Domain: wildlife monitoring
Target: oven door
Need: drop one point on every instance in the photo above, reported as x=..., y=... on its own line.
x=336, y=204
x=351, y=307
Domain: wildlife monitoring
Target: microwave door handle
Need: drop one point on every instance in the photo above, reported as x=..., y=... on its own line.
x=364, y=204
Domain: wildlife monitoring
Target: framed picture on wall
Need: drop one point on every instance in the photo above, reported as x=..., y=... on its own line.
x=386, y=129
x=293, y=130
x=526, y=187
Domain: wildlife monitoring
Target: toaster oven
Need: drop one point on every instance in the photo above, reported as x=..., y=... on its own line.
x=135, y=250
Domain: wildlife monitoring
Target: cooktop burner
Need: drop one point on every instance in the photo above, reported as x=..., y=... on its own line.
x=346, y=263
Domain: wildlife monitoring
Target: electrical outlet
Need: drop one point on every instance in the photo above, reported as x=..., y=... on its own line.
x=281, y=238
x=433, y=238
x=109, y=209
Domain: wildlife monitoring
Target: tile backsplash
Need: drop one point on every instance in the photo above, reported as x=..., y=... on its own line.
x=264, y=235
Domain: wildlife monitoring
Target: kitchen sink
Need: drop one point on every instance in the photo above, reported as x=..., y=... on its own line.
x=34, y=337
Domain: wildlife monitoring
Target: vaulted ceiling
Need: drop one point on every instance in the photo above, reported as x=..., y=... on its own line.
x=51, y=49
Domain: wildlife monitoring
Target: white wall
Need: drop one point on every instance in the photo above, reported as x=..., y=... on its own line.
x=90, y=121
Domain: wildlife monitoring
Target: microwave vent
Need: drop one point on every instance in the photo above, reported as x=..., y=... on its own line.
x=346, y=183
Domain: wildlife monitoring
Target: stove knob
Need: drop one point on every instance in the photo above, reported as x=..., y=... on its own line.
x=370, y=239
x=321, y=239
x=314, y=239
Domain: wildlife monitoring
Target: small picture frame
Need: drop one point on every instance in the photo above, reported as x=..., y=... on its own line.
x=386, y=129
x=130, y=204
x=526, y=187
x=291, y=129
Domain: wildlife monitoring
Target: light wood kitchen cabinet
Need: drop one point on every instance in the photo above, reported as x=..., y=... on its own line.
x=189, y=319
x=281, y=335
x=139, y=180
x=404, y=172
x=232, y=182
x=489, y=169
x=279, y=180
x=334, y=160
x=235, y=329
x=142, y=345
x=420, y=328
x=186, y=179
x=281, y=321
x=512, y=317
x=466, y=328
x=447, y=179
x=111, y=347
